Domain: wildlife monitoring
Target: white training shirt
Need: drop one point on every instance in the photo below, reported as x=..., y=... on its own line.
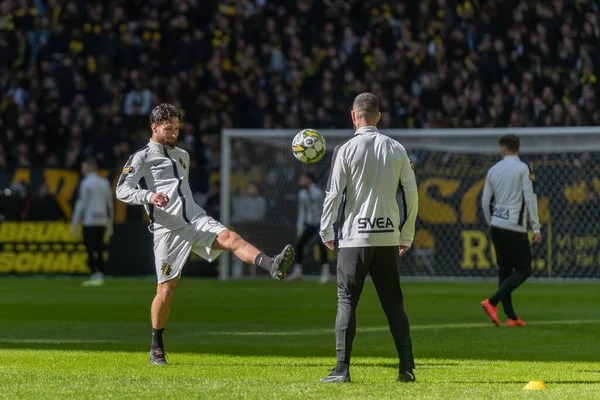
x=310, y=206
x=508, y=196
x=155, y=169
x=361, y=199
x=94, y=206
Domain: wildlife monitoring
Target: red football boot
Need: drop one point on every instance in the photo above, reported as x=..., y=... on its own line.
x=515, y=322
x=491, y=311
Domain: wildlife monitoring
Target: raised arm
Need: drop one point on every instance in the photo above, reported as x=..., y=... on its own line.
x=127, y=188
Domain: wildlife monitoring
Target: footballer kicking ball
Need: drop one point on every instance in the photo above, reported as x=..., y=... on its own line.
x=308, y=146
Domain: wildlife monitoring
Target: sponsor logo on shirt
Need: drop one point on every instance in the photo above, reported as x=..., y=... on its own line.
x=375, y=225
x=501, y=213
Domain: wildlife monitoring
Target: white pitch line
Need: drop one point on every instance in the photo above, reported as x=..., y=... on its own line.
x=307, y=332
x=413, y=327
x=58, y=341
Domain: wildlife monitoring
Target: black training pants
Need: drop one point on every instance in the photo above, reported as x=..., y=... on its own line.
x=307, y=235
x=513, y=253
x=93, y=239
x=382, y=263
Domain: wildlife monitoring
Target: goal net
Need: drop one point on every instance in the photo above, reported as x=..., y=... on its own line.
x=259, y=197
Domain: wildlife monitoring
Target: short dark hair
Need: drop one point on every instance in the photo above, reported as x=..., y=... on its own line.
x=511, y=142
x=366, y=105
x=311, y=176
x=91, y=162
x=163, y=113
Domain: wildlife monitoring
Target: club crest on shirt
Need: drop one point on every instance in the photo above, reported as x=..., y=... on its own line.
x=182, y=163
x=531, y=177
x=128, y=170
x=165, y=268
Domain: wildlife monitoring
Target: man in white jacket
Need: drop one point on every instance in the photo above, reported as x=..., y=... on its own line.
x=310, y=209
x=508, y=201
x=94, y=210
x=157, y=177
x=362, y=218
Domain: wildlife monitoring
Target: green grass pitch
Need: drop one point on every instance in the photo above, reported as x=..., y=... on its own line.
x=272, y=340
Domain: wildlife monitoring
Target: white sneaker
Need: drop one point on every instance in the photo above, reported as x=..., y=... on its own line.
x=296, y=274
x=324, y=274
x=96, y=279
x=97, y=276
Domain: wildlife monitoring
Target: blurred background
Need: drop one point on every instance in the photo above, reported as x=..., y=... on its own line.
x=79, y=79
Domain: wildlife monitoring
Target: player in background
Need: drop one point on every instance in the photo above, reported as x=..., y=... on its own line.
x=94, y=210
x=508, y=199
x=157, y=177
x=310, y=208
x=366, y=172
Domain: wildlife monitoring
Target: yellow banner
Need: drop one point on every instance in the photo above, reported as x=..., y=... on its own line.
x=41, y=247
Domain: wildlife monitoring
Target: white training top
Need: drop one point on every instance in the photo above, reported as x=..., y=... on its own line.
x=94, y=206
x=361, y=199
x=310, y=206
x=509, y=196
x=155, y=169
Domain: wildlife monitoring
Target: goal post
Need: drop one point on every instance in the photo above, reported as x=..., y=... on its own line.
x=258, y=177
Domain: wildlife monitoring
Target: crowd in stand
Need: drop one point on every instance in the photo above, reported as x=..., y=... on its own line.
x=80, y=77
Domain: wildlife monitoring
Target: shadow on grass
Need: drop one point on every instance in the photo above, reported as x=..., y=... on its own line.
x=325, y=364
x=240, y=319
x=394, y=365
x=501, y=382
x=324, y=350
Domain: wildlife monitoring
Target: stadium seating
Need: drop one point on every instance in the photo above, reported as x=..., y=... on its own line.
x=79, y=77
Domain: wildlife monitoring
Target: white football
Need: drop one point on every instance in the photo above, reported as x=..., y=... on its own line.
x=309, y=146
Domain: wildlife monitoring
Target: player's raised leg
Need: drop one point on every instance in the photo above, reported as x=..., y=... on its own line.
x=276, y=266
x=161, y=306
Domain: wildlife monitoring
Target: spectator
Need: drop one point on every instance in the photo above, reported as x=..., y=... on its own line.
x=82, y=78
x=138, y=101
x=250, y=207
